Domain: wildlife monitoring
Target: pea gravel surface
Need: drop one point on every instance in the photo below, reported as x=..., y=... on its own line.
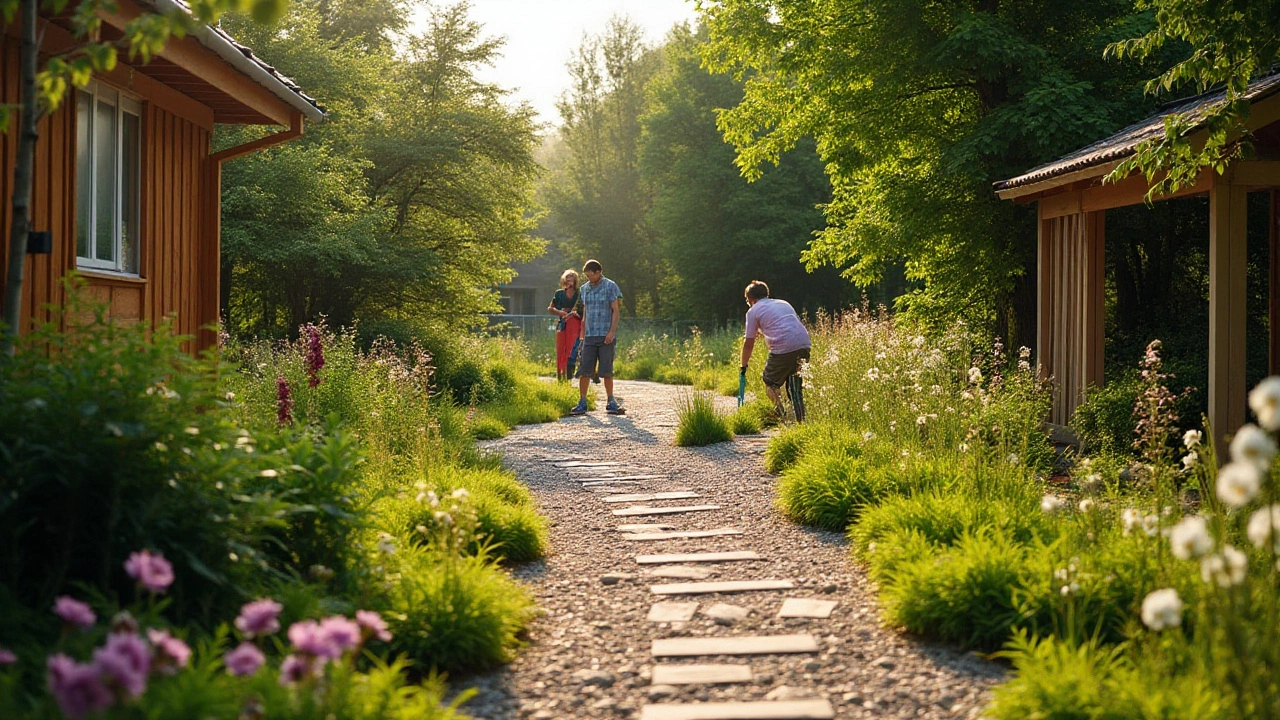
x=588, y=654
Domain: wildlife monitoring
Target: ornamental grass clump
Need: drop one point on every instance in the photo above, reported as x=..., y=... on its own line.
x=700, y=423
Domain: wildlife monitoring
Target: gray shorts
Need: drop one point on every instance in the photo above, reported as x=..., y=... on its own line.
x=594, y=349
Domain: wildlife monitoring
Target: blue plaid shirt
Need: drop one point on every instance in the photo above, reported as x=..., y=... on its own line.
x=596, y=298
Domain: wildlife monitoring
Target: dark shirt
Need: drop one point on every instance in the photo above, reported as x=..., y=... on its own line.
x=561, y=301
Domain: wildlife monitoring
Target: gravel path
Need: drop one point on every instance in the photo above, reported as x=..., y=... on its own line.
x=589, y=654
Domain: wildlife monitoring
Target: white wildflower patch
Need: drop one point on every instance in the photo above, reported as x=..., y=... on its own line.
x=1190, y=461
x=1253, y=445
x=1238, y=483
x=1051, y=504
x=1190, y=538
x=1264, y=401
x=975, y=375
x=1130, y=519
x=1162, y=609
x=1263, y=526
x=1226, y=568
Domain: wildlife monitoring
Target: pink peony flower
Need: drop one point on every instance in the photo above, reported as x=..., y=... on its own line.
x=244, y=660
x=152, y=572
x=309, y=639
x=258, y=618
x=373, y=624
x=124, y=663
x=295, y=668
x=77, y=687
x=7, y=657
x=74, y=612
x=171, y=653
x=341, y=633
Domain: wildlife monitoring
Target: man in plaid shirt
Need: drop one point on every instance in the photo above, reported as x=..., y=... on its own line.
x=600, y=297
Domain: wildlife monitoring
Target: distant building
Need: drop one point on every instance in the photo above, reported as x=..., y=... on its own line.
x=525, y=299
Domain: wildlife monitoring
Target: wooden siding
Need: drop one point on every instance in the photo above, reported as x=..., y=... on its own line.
x=176, y=212
x=1071, y=306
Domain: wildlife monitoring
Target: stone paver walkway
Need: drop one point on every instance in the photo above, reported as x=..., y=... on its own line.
x=788, y=627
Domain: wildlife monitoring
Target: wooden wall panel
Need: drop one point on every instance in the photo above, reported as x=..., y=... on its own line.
x=1071, y=276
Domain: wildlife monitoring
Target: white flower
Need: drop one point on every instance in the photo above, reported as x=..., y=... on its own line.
x=1226, y=569
x=1086, y=505
x=1051, y=504
x=1190, y=538
x=866, y=407
x=918, y=341
x=1263, y=525
x=192, y=430
x=1253, y=445
x=963, y=447
x=1131, y=519
x=1062, y=574
x=269, y=473
x=1238, y=483
x=868, y=436
x=461, y=494
x=1190, y=460
x=873, y=374
x=922, y=420
x=1192, y=438
x=975, y=375
x=1091, y=482
x=1162, y=609
x=386, y=543
x=1264, y=400
x=1013, y=459
x=1151, y=525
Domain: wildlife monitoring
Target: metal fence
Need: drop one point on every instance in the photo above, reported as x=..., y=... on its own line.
x=531, y=327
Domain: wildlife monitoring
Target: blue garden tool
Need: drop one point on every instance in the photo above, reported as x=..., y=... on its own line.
x=742, y=387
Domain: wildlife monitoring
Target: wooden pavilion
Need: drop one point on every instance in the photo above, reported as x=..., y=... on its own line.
x=1072, y=201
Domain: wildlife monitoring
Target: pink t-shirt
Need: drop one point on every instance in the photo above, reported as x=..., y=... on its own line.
x=778, y=322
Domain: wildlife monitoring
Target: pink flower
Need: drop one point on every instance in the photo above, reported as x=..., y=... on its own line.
x=284, y=402
x=152, y=572
x=244, y=660
x=260, y=617
x=124, y=662
x=77, y=687
x=341, y=633
x=295, y=668
x=7, y=657
x=74, y=612
x=373, y=624
x=315, y=355
x=171, y=653
x=309, y=639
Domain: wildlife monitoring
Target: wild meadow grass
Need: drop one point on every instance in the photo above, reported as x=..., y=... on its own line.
x=700, y=423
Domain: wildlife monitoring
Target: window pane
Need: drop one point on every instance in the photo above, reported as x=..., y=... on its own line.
x=104, y=150
x=130, y=159
x=84, y=175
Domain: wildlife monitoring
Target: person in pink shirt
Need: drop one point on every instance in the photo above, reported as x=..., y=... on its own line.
x=786, y=336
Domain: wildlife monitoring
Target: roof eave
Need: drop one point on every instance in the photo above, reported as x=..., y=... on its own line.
x=1056, y=181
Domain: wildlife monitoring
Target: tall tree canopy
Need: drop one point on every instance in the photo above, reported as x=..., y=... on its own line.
x=917, y=107
x=716, y=232
x=408, y=206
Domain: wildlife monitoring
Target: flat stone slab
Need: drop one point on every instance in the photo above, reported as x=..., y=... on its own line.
x=726, y=614
x=682, y=534
x=644, y=527
x=650, y=497
x=619, y=478
x=732, y=556
x=646, y=510
x=807, y=608
x=585, y=464
x=672, y=612
x=743, y=645
x=701, y=674
x=727, y=586
x=606, y=484
x=686, y=572
x=787, y=710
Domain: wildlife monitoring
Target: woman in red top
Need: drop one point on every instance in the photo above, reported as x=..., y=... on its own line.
x=567, y=305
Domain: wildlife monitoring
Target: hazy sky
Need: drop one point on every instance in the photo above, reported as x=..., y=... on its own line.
x=540, y=34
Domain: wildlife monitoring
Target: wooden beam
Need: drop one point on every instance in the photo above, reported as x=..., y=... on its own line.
x=1273, y=288
x=1256, y=173
x=1094, y=171
x=294, y=131
x=1228, y=263
x=1065, y=203
x=1133, y=191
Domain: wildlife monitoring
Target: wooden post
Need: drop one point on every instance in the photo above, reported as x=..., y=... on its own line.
x=1273, y=288
x=1094, y=330
x=1227, y=280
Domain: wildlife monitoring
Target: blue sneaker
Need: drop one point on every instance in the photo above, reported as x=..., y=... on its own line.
x=580, y=408
x=613, y=409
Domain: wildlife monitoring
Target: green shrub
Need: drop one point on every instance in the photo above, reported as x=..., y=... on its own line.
x=454, y=613
x=784, y=448
x=484, y=427
x=943, y=516
x=829, y=489
x=746, y=421
x=700, y=422
x=1104, y=422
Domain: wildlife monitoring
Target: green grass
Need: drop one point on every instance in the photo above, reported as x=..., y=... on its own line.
x=700, y=423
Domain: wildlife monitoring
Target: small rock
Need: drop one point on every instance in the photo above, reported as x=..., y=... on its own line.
x=726, y=614
x=885, y=662
x=659, y=692
x=812, y=666
x=598, y=678
x=605, y=704
x=764, y=678
x=787, y=692
x=830, y=588
x=543, y=715
x=615, y=578
x=852, y=698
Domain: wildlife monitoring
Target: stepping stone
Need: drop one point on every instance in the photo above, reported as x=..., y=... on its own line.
x=606, y=483
x=686, y=572
x=727, y=586
x=726, y=614
x=621, y=478
x=790, y=710
x=698, y=557
x=585, y=464
x=570, y=458
x=647, y=527
x=701, y=674
x=806, y=608
x=682, y=534
x=646, y=510
x=674, y=495
x=744, y=645
x=672, y=612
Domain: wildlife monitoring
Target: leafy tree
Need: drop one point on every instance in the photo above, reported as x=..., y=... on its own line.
x=715, y=230
x=917, y=107
x=598, y=196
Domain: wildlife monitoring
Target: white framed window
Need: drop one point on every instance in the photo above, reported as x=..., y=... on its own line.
x=108, y=160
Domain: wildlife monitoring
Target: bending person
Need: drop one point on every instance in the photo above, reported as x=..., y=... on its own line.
x=786, y=336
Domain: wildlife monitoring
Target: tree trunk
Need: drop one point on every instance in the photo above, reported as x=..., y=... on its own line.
x=28, y=135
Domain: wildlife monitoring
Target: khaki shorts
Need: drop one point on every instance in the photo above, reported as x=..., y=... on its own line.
x=594, y=350
x=780, y=367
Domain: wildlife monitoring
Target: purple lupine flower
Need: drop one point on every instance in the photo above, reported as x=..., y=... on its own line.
x=124, y=663
x=152, y=571
x=315, y=355
x=74, y=612
x=284, y=402
x=341, y=633
x=373, y=624
x=244, y=660
x=7, y=657
x=76, y=686
x=259, y=618
x=171, y=653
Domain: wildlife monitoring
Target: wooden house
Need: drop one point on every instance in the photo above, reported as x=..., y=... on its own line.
x=1072, y=202
x=126, y=178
